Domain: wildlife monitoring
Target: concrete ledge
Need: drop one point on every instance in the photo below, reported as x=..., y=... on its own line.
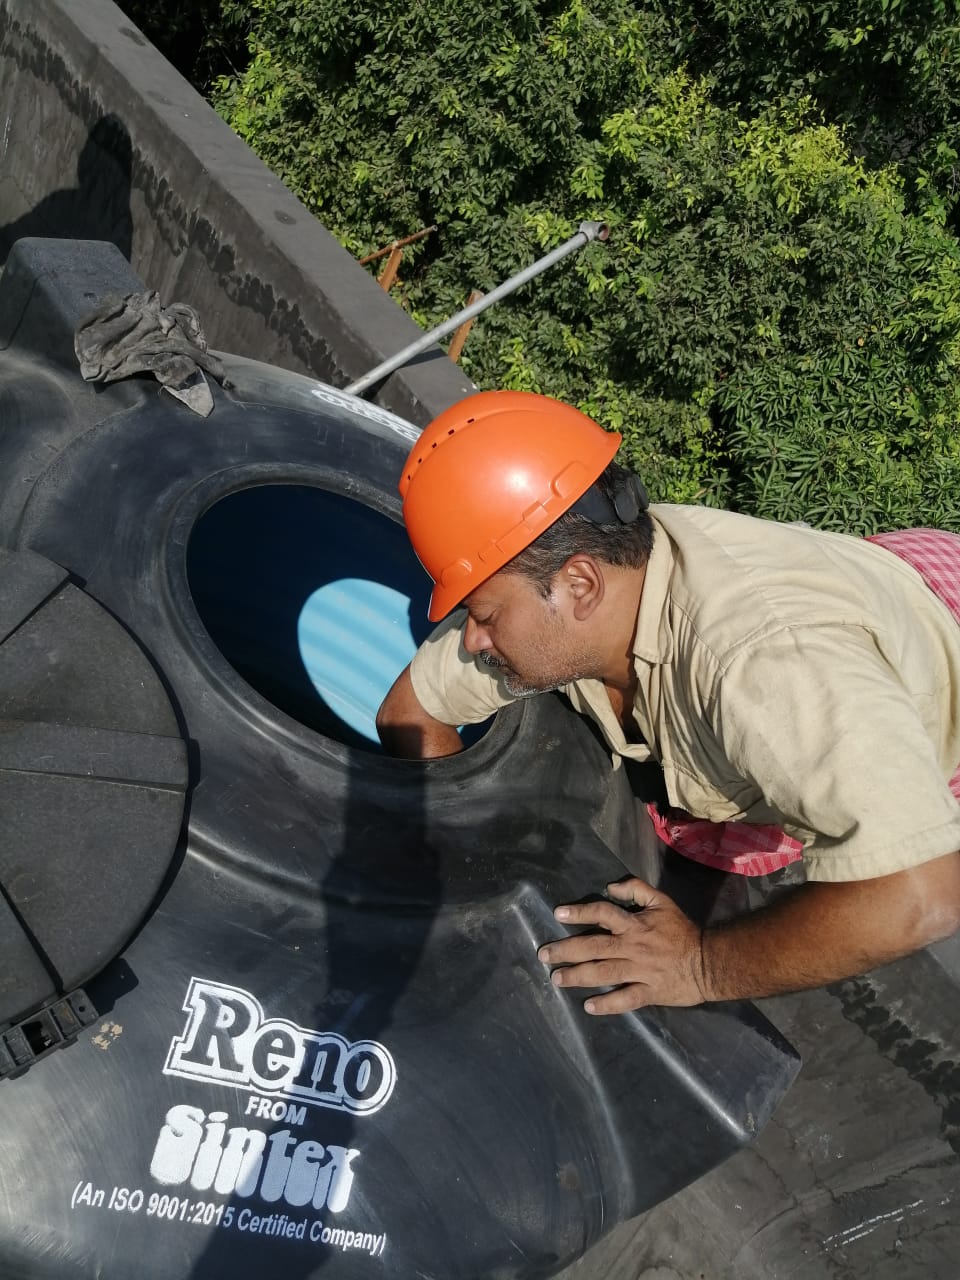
x=103, y=139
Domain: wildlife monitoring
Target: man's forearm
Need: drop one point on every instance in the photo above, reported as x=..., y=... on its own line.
x=821, y=933
x=406, y=730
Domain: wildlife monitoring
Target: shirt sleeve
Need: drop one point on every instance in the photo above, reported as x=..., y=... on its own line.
x=824, y=728
x=449, y=683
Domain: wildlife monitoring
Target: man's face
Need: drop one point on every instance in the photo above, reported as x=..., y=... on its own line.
x=529, y=640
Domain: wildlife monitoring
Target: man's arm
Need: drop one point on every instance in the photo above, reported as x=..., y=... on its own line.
x=819, y=933
x=408, y=731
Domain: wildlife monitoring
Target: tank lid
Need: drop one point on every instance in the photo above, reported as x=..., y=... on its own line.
x=93, y=774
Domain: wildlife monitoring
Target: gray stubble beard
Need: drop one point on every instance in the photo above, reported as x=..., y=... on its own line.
x=512, y=683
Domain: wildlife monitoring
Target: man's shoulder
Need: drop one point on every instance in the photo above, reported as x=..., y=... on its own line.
x=735, y=580
x=738, y=539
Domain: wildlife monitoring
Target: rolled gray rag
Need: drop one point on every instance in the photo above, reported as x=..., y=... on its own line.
x=135, y=334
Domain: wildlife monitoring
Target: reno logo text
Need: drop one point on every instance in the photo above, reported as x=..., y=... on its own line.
x=228, y=1040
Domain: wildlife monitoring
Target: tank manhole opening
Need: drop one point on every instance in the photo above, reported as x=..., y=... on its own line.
x=315, y=599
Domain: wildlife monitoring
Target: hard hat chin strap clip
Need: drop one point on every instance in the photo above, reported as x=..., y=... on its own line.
x=629, y=501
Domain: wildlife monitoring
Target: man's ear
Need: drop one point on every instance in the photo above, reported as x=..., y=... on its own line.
x=582, y=578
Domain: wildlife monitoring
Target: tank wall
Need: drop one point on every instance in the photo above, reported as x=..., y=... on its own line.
x=103, y=139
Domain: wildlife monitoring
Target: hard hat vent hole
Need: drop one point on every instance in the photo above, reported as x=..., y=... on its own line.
x=316, y=600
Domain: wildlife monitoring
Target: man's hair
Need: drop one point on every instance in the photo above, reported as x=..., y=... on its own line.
x=627, y=546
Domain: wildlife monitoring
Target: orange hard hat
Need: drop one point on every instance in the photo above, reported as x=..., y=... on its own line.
x=485, y=479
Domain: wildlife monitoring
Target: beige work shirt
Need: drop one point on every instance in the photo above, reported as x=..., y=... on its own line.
x=786, y=676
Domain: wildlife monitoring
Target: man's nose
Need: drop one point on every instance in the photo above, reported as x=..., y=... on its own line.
x=475, y=638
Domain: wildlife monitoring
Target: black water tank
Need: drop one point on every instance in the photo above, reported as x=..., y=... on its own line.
x=329, y=1045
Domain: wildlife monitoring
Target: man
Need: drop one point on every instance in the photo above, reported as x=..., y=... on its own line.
x=779, y=674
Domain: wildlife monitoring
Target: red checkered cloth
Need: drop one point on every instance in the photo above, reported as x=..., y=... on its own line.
x=752, y=850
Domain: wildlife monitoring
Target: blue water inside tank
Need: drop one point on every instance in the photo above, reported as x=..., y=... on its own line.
x=355, y=637
x=314, y=598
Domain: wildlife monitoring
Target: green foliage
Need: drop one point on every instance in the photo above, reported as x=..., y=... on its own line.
x=887, y=69
x=771, y=325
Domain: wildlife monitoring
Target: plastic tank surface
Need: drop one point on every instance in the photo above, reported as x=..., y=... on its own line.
x=270, y=1001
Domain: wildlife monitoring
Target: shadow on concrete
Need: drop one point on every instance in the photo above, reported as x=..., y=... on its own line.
x=98, y=207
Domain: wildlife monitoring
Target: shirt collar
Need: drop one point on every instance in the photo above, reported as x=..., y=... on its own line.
x=652, y=641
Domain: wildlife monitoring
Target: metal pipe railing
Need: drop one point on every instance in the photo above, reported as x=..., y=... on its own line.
x=588, y=231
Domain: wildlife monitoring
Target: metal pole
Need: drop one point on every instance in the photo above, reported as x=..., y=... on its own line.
x=397, y=244
x=460, y=336
x=588, y=231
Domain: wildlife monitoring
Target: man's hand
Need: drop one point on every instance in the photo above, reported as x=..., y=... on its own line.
x=651, y=956
x=815, y=934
